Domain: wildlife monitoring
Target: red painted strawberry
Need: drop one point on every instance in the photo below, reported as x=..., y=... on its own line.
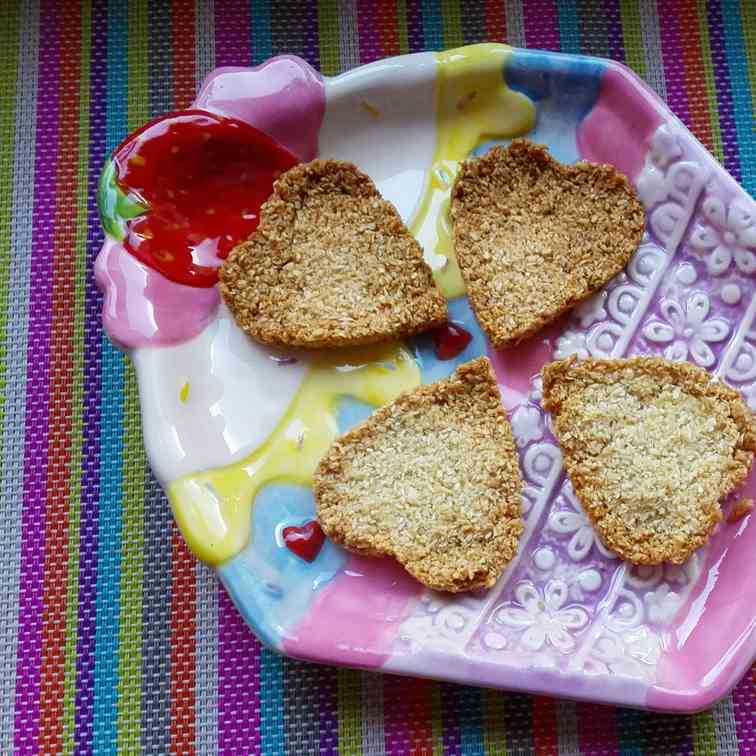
x=304, y=540
x=186, y=188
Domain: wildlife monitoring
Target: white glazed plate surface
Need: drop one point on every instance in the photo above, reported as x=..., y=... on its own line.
x=233, y=430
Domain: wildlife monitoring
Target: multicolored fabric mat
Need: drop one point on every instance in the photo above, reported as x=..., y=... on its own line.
x=112, y=637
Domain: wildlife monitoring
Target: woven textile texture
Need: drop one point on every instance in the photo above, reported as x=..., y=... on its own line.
x=112, y=637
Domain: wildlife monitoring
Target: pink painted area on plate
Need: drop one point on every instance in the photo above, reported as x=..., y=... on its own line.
x=354, y=619
x=620, y=125
x=515, y=367
x=141, y=306
x=714, y=634
x=285, y=98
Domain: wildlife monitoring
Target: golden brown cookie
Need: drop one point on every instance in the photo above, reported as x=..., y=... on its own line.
x=432, y=479
x=651, y=447
x=331, y=264
x=740, y=509
x=533, y=237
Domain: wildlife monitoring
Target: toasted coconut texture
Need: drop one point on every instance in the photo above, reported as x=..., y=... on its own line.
x=651, y=447
x=533, y=237
x=331, y=264
x=432, y=479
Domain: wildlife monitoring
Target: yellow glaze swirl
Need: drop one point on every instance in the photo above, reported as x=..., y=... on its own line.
x=473, y=106
x=213, y=509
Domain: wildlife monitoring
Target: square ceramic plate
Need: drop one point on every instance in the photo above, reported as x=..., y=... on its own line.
x=234, y=430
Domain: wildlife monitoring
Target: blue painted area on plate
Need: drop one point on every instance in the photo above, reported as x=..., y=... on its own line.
x=563, y=92
x=352, y=412
x=270, y=585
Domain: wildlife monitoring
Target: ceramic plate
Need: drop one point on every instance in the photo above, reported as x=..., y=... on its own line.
x=234, y=430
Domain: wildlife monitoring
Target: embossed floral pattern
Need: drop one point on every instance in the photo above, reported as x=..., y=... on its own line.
x=526, y=425
x=730, y=234
x=592, y=309
x=529, y=498
x=688, y=331
x=569, y=343
x=574, y=522
x=543, y=617
x=686, y=573
x=631, y=654
x=662, y=603
x=664, y=149
x=571, y=604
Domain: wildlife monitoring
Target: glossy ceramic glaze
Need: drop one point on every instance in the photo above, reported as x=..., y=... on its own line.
x=196, y=182
x=234, y=430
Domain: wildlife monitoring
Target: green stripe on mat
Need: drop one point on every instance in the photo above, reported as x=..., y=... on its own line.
x=132, y=573
x=138, y=89
x=704, y=741
x=437, y=721
x=452, y=23
x=350, y=712
x=8, y=84
x=494, y=732
x=328, y=26
x=401, y=10
x=132, y=539
x=632, y=33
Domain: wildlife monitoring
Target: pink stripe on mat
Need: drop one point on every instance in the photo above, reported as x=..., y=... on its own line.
x=370, y=44
x=674, y=62
x=597, y=728
x=541, y=25
x=744, y=706
x=328, y=718
x=232, y=33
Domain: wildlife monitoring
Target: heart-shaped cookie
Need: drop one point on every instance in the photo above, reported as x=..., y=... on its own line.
x=534, y=237
x=650, y=446
x=331, y=264
x=431, y=479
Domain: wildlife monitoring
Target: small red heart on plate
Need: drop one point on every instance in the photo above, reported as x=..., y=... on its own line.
x=450, y=340
x=304, y=540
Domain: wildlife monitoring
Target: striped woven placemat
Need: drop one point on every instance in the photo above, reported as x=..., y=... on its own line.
x=111, y=636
